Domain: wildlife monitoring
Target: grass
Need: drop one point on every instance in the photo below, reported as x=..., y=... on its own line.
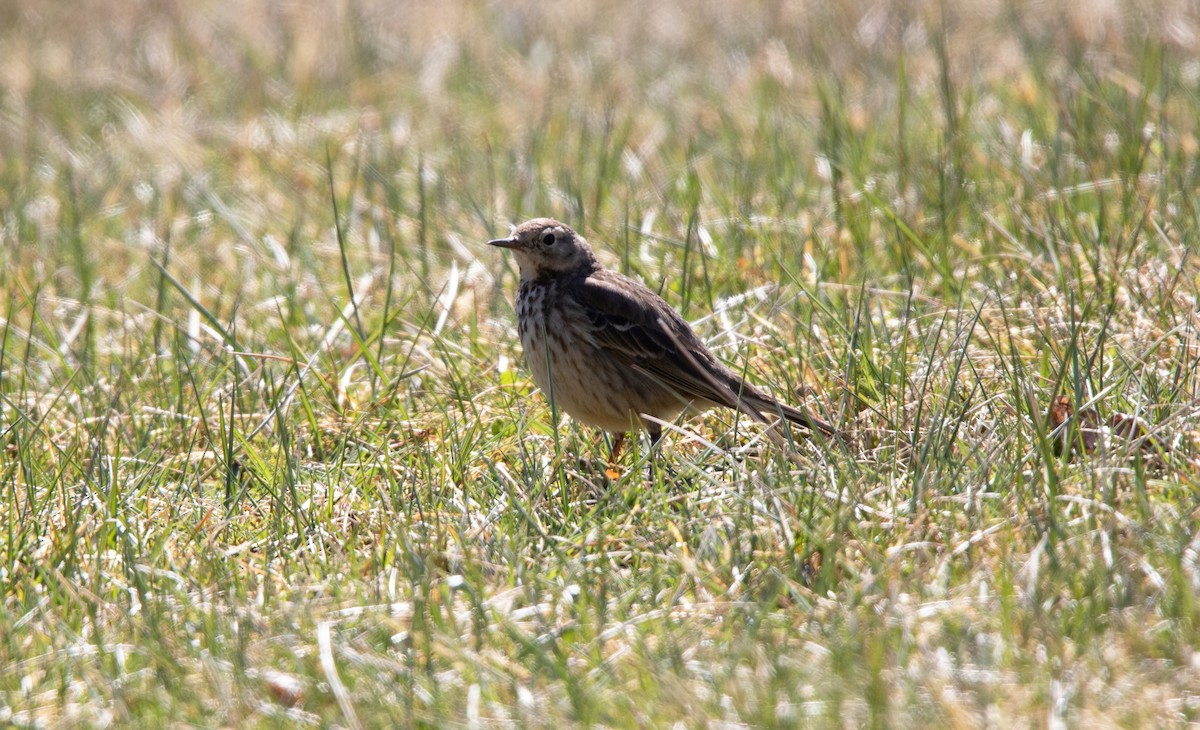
x=269, y=455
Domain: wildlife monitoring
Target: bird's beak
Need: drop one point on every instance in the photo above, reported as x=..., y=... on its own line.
x=510, y=242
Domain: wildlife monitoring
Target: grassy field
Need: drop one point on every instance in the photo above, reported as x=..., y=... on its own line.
x=269, y=454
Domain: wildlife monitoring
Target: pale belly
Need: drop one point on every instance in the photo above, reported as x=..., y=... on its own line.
x=584, y=380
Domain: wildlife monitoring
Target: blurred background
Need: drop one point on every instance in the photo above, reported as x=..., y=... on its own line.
x=267, y=451
x=464, y=116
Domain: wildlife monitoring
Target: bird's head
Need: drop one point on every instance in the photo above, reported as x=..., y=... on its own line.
x=545, y=247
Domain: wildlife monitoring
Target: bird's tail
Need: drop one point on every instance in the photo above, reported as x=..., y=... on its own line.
x=765, y=404
x=802, y=417
x=726, y=388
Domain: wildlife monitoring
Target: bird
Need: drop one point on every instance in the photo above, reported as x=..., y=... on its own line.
x=610, y=352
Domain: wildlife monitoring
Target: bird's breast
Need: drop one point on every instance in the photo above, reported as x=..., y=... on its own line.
x=554, y=329
x=572, y=366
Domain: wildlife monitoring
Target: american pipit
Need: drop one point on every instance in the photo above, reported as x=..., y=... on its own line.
x=608, y=351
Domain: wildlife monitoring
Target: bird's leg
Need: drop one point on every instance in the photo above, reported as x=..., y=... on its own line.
x=618, y=442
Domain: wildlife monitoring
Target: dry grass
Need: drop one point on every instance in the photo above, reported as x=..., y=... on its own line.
x=268, y=454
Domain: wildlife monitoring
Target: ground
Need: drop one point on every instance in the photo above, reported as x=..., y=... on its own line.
x=269, y=454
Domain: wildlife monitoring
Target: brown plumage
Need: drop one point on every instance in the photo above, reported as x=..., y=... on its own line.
x=606, y=349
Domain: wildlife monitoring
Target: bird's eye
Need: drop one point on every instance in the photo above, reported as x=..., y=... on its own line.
x=548, y=239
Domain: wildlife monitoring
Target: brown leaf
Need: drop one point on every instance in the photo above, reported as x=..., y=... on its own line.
x=287, y=689
x=1132, y=428
x=1084, y=434
x=1081, y=435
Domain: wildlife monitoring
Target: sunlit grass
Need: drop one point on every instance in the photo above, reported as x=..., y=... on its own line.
x=269, y=454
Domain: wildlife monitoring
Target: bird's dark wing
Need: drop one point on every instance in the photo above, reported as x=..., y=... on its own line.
x=635, y=325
